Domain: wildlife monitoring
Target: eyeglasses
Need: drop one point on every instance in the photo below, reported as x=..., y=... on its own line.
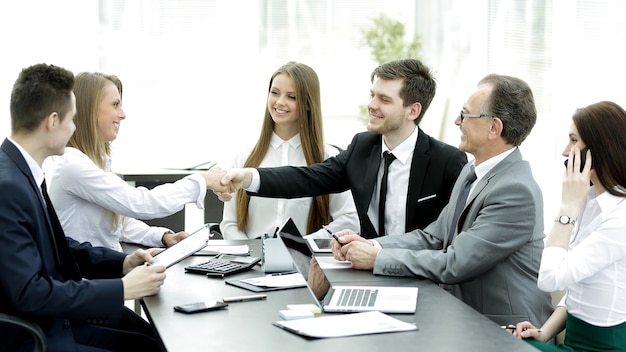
x=464, y=115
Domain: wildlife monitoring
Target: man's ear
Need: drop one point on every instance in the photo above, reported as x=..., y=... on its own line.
x=52, y=121
x=415, y=110
x=496, y=127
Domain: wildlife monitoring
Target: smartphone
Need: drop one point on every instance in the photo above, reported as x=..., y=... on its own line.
x=200, y=307
x=583, y=158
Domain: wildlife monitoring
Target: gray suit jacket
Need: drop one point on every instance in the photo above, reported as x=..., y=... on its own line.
x=493, y=261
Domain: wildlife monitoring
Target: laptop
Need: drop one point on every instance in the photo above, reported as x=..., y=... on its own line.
x=363, y=298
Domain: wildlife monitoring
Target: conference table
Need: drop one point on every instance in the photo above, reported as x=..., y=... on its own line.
x=443, y=322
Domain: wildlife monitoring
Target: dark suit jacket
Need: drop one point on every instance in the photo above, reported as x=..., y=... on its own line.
x=434, y=169
x=36, y=283
x=493, y=261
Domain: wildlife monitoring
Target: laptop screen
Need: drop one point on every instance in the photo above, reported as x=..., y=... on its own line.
x=347, y=298
x=296, y=246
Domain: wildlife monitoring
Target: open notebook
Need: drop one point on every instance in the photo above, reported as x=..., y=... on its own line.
x=387, y=299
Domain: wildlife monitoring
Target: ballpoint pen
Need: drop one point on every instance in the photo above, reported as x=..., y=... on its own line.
x=332, y=234
x=285, y=273
x=244, y=298
x=513, y=327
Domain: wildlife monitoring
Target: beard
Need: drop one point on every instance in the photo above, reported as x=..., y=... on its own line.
x=387, y=125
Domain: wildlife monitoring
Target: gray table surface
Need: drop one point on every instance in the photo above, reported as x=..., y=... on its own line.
x=444, y=323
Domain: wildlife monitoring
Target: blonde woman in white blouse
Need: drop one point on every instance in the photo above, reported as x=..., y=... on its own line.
x=94, y=204
x=291, y=134
x=585, y=253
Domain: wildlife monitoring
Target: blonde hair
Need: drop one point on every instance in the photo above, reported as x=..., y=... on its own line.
x=307, y=88
x=89, y=89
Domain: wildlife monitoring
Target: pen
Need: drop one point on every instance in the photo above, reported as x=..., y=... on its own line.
x=285, y=273
x=332, y=234
x=513, y=327
x=244, y=298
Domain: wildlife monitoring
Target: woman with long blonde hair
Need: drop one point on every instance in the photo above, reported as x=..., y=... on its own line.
x=94, y=204
x=291, y=134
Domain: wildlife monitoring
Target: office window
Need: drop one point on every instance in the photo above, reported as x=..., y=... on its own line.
x=196, y=72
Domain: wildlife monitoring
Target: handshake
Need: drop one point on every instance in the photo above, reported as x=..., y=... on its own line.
x=225, y=182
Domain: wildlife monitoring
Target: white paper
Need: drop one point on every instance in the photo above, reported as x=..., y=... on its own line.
x=346, y=325
x=328, y=262
x=277, y=280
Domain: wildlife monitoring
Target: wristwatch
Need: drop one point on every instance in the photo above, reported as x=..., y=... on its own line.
x=564, y=219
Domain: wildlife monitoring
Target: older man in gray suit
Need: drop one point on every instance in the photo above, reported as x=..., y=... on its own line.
x=486, y=252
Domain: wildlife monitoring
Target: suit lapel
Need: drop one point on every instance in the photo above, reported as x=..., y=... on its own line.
x=418, y=174
x=17, y=157
x=371, y=173
x=515, y=156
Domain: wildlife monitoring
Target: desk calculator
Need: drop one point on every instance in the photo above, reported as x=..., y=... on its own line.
x=223, y=265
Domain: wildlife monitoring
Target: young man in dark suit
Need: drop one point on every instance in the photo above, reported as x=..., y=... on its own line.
x=74, y=291
x=420, y=178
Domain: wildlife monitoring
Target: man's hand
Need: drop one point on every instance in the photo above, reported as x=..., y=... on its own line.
x=213, y=179
x=139, y=257
x=169, y=239
x=143, y=280
x=234, y=180
x=354, y=248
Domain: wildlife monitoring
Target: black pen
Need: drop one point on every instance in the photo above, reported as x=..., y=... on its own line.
x=332, y=234
x=285, y=273
x=244, y=298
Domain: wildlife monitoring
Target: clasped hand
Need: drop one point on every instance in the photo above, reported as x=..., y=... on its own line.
x=354, y=248
x=232, y=181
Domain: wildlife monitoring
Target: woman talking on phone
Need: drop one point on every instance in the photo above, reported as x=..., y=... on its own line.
x=585, y=253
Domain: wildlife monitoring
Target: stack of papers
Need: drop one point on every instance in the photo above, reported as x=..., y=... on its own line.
x=345, y=325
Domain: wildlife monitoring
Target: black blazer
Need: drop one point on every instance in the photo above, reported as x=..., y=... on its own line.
x=434, y=169
x=36, y=283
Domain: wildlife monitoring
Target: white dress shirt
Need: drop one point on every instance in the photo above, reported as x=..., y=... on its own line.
x=397, y=186
x=266, y=214
x=593, y=270
x=82, y=192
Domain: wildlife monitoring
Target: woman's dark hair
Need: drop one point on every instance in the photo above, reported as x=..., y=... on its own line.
x=602, y=127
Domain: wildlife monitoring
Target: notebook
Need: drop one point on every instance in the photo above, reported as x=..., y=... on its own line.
x=386, y=299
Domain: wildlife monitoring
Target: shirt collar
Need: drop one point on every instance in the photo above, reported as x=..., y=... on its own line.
x=486, y=166
x=605, y=200
x=405, y=149
x=35, y=169
x=276, y=141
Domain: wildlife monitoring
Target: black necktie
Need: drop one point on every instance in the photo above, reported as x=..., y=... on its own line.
x=62, y=251
x=389, y=158
x=460, y=203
